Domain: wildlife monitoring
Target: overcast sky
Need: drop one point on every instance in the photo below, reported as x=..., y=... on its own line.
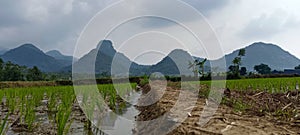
x=57, y=24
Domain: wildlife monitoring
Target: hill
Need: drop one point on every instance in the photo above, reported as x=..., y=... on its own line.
x=177, y=62
x=29, y=55
x=66, y=60
x=269, y=54
x=102, y=59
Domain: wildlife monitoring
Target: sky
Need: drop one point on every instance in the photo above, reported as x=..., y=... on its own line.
x=58, y=24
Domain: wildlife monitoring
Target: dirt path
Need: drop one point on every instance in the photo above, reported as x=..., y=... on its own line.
x=162, y=118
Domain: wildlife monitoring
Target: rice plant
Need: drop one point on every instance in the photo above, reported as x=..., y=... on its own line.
x=3, y=124
x=64, y=111
x=30, y=114
x=24, y=102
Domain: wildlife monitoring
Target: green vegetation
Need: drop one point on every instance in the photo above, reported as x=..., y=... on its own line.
x=234, y=70
x=3, y=124
x=13, y=72
x=237, y=104
x=197, y=67
x=262, y=69
x=62, y=117
x=144, y=81
x=24, y=103
x=264, y=84
x=271, y=85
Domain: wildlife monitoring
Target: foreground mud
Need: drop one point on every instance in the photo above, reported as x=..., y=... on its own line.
x=252, y=118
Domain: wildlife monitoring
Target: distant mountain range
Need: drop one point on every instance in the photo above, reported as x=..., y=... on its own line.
x=29, y=55
x=56, y=54
x=175, y=63
x=66, y=60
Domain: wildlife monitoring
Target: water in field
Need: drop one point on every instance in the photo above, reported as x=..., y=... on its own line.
x=125, y=121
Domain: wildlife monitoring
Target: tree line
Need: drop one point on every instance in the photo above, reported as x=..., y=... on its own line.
x=14, y=72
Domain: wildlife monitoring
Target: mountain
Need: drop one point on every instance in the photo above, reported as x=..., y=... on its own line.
x=175, y=63
x=57, y=55
x=66, y=60
x=29, y=55
x=102, y=58
x=105, y=56
x=3, y=50
x=269, y=54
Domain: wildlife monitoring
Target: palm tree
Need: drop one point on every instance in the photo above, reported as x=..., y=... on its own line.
x=192, y=65
x=237, y=61
x=201, y=65
x=196, y=66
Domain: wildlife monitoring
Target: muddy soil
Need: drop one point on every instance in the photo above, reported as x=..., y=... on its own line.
x=257, y=113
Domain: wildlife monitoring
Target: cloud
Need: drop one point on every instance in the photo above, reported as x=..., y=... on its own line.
x=56, y=24
x=268, y=25
x=204, y=7
x=47, y=24
x=207, y=6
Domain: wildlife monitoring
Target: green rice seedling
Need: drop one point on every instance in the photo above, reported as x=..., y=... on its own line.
x=109, y=94
x=64, y=112
x=3, y=124
x=62, y=118
x=264, y=84
x=22, y=106
x=90, y=114
x=37, y=96
x=1, y=96
x=52, y=102
x=11, y=101
x=30, y=114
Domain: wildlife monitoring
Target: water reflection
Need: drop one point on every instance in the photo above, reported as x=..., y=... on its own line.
x=123, y=118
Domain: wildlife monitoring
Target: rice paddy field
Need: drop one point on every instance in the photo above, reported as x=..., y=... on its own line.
x=49, y=109
x=54, y=109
